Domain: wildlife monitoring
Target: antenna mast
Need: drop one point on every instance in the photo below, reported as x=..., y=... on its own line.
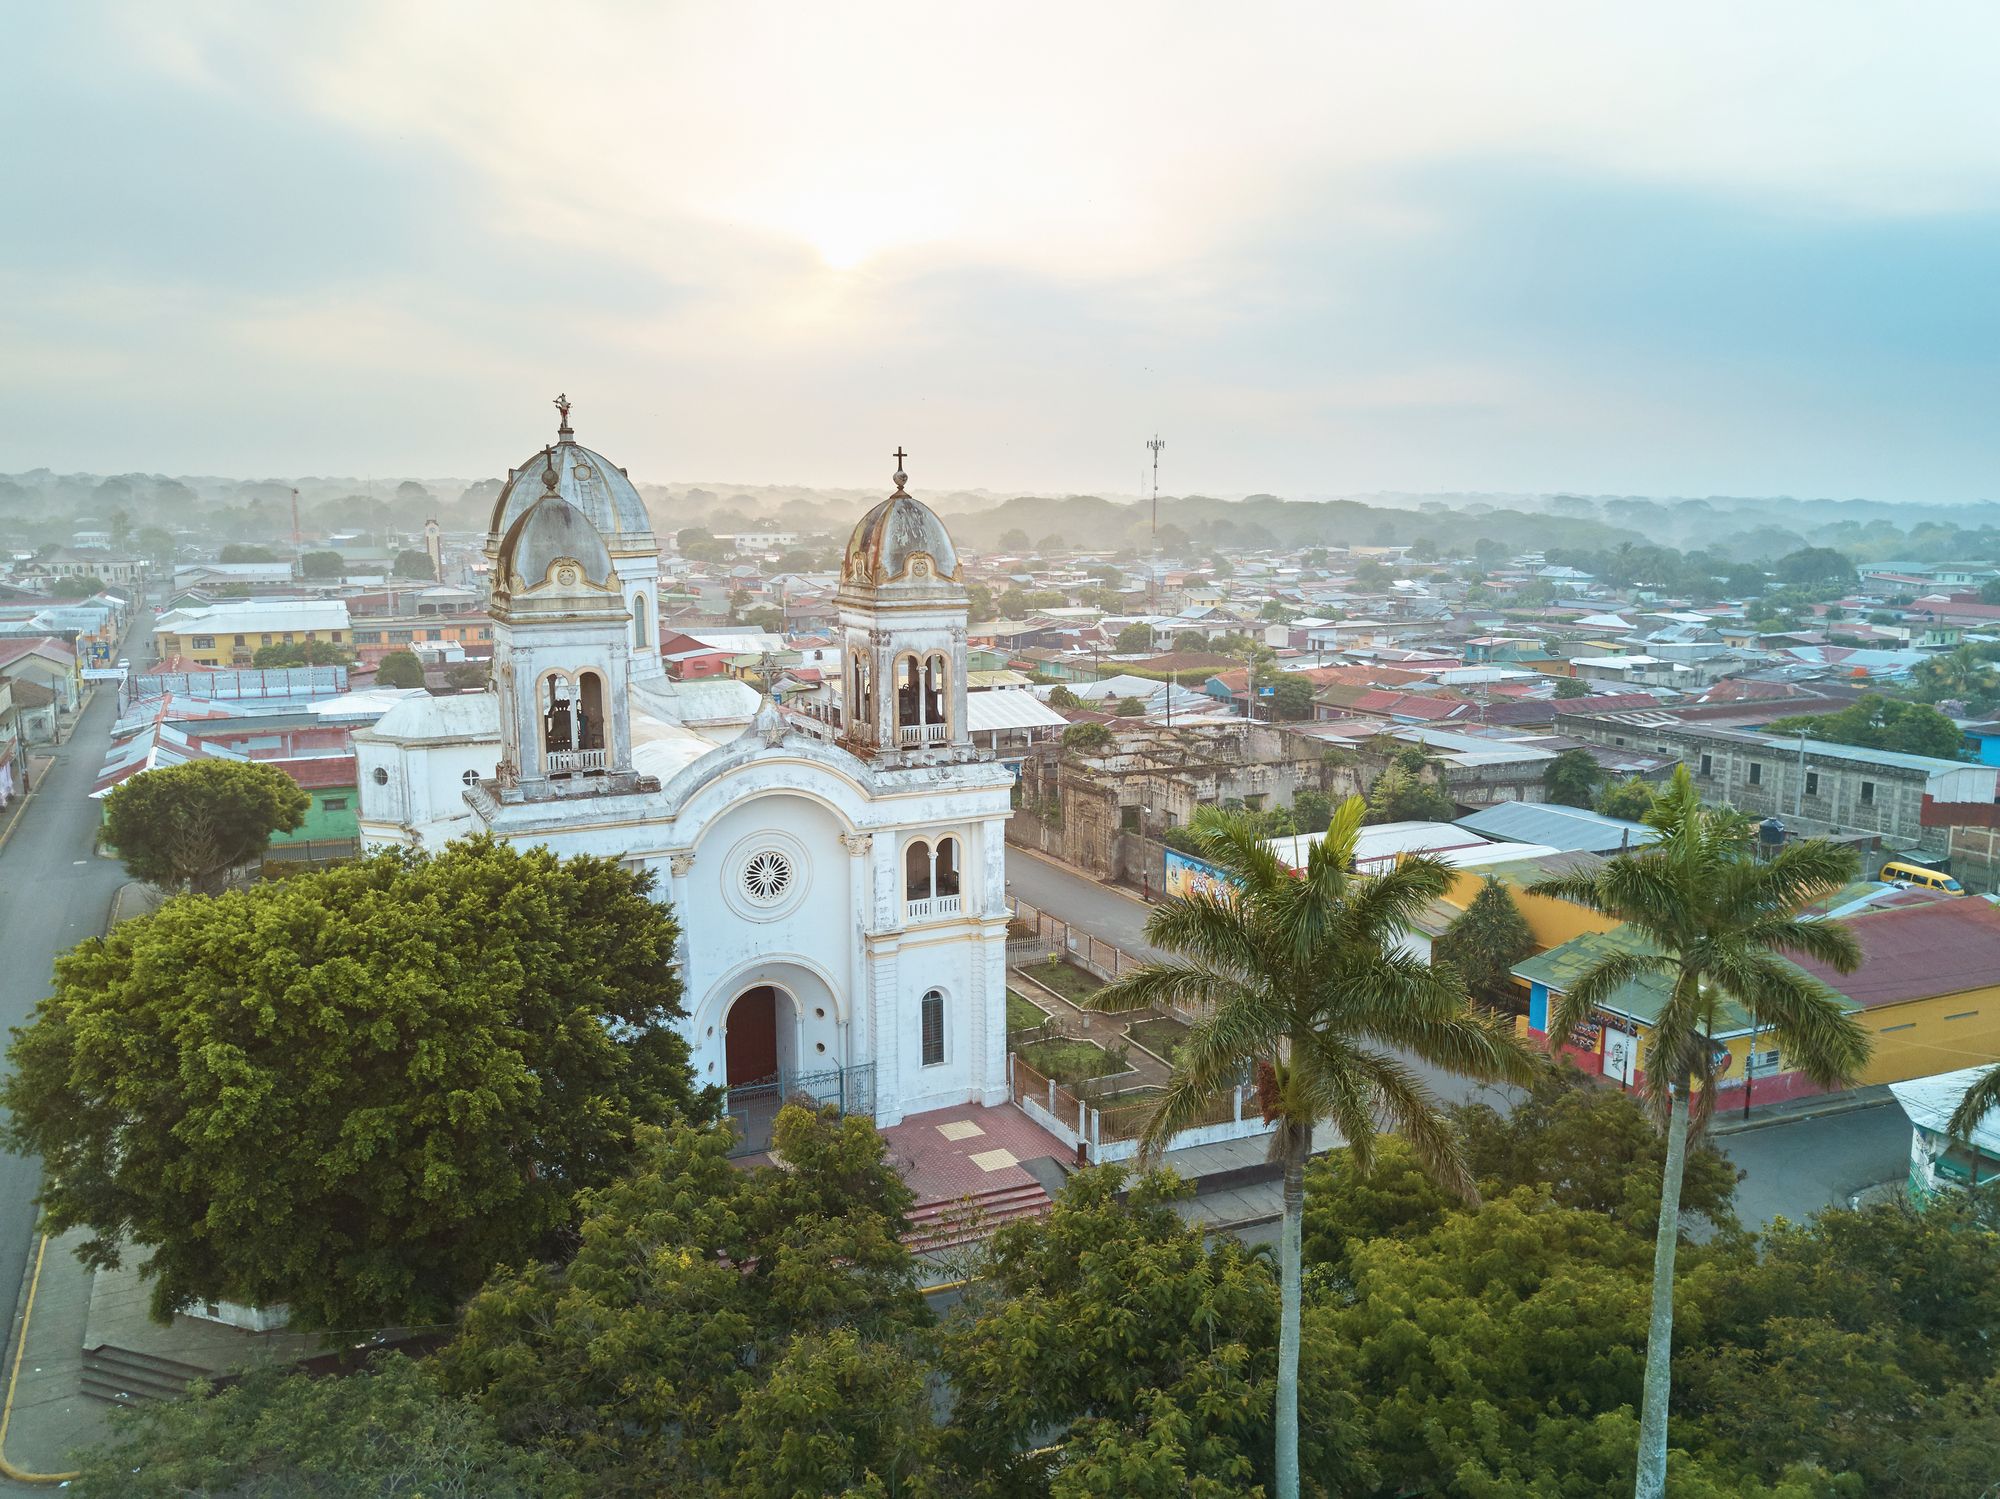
x=1156, y=443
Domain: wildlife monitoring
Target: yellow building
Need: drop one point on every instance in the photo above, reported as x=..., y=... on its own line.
x=1927, y=992
x=230, y=634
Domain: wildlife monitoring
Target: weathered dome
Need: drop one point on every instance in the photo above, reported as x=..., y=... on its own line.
x=551, y=530
x=893, y=534
x=585, y=479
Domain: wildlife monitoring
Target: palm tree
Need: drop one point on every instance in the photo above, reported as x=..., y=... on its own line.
x=1299, y=979
x=1981, y=1099
x=1713, y=920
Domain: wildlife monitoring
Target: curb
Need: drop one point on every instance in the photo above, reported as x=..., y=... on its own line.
x=27, y=1310
x=1082, y=874
x=1850, y=1105
x=19, y=813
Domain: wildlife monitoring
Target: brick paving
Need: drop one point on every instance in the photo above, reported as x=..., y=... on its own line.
x=941, y=1168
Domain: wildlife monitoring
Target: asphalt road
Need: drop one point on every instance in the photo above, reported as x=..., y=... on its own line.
x=1798, y=1168
x=54, y=892
x=1793, y=1169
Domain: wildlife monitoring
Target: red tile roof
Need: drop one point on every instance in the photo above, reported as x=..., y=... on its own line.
x=1920, y=952
x=319, y=772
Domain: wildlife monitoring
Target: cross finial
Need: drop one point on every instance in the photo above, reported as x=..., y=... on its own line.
x=562, y=407
x=899, y=476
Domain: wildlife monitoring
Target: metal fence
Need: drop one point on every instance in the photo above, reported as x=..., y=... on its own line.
x=1053, y=934
x=753, y=1107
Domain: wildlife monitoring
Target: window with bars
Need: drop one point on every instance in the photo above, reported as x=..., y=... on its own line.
x=933, y=1026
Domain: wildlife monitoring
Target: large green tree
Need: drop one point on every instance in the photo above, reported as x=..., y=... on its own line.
x=185, y=827
x=758, y=1325
x=1111, y=1351
x=1301, y=980
x=1572, y=778
x=1486, y=940
x=357, y=1090
x=1884, y=723
x=399, y=669
x=1715, y=924
x=1399, y=794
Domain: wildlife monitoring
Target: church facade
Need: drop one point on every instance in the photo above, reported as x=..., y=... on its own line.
x=841, y=901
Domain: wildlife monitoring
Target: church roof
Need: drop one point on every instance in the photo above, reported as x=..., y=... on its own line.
x=549, y=530
x=891, y=535
x=585, y=479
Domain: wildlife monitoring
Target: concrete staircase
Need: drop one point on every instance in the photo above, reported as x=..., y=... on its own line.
x=122, y=1377
x=965, y=1220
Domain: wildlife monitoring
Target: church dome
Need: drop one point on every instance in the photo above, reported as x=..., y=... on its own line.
x=892, y=535
x=585, y=479
x=550, y=531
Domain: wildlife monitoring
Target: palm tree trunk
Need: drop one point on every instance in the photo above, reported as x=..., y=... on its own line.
x=1297, y=1144
x=1652, y=1483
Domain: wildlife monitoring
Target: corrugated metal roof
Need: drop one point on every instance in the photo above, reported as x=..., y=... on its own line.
x=1009, y=708
x=1572, y=829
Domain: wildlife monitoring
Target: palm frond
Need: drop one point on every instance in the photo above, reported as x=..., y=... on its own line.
x=1417, y=1116
x=1205, y=926
x=1826, y=942
x=1812, y=1025
x=1592, y=988
x=1980, y=1100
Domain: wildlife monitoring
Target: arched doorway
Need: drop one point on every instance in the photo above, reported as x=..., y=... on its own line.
x=750, y=1037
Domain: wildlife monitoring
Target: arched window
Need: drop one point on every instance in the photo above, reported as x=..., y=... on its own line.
x=861, y=701
x=932, y=1020
x=640, y=639
x=559, y=715
x=590, y=711
x=909, y=693
x=930, y=878
x=936, y=673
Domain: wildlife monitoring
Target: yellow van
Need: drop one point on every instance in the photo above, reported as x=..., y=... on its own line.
x=1898, y=873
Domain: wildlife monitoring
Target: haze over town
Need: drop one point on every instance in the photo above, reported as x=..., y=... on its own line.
x=1681, y=252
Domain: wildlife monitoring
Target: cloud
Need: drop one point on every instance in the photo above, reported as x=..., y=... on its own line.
x=1435, y=245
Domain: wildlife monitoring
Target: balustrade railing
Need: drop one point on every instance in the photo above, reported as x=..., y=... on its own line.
x=925, y=733
x=575, y=760
x=936, y=908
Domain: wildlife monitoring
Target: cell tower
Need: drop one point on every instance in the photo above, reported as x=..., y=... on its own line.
x=1156, y=442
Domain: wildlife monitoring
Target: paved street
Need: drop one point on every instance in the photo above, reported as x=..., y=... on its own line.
x=1794, y=1169
x=54, y=891
x=1118, y=918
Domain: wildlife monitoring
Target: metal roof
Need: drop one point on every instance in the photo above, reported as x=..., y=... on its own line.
x=1571, y=829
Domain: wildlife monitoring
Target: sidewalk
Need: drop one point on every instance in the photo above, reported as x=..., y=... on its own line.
x=1797, y=1110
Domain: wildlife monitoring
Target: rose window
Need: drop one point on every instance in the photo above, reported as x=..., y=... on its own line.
x=767, y=876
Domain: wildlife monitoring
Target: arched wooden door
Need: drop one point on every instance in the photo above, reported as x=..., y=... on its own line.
x=750, y=1037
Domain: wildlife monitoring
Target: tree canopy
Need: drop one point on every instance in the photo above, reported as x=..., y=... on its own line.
x=357, y=1090
x=187, y=826
x=399, y=669
x=760, y=1325
x=1883, y=723
x=1402, y=795
x=1486, y=940
x=1134, y=640
x=1572, y=778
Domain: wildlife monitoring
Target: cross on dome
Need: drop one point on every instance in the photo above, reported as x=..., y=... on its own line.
x=899, y=476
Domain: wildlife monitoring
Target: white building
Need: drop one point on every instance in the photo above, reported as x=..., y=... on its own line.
x=841, y=901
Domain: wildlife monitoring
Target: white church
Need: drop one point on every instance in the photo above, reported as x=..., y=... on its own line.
x=841, y=901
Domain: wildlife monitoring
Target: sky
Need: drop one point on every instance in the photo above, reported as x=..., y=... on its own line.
x=1319, y=249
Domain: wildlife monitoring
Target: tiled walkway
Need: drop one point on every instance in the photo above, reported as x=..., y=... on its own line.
x=966, y=1151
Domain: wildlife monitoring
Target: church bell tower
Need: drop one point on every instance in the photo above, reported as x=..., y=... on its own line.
x=902, y=605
